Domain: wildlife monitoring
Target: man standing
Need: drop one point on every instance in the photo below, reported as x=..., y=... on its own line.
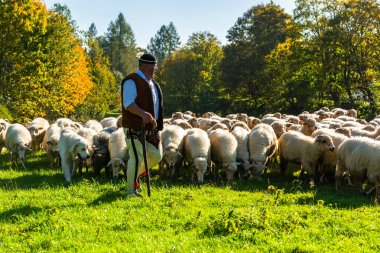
x=141, y=107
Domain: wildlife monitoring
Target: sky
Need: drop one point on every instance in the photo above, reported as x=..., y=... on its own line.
x=147, y=16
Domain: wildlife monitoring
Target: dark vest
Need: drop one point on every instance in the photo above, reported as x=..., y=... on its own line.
x=144, y=100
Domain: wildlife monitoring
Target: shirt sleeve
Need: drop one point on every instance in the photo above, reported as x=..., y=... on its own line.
x=129, y=93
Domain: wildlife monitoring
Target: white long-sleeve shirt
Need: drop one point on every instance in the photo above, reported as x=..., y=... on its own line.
x=130, y=92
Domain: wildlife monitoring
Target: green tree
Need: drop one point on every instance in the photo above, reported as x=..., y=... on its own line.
x=164, y=43
x=343, y=37
x=252, y=38
x=104, y=95
x=120, y=47
x=190, y=77
x=44, y=69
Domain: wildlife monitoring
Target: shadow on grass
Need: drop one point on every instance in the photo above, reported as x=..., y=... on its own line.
x=108, y=197
x=19, y=213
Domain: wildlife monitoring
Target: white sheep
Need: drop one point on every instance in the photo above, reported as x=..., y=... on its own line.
x=223, y=152
x=3, y=131
x=118, y=150
x=242, y=155
x=88, y=134
x=308, y=126
x=359, y=157
x=17, y=141
x=262, y=145
x=172, y=146
x=94, y=124
x=109, y=122
x=279, y=127
x=51, y=143
x=182, y=123
x=329, y=159
x=64, y=122
x=197, y=148
x=364, y=133
x=37, y=129
x=305, y=150
x=72, y=148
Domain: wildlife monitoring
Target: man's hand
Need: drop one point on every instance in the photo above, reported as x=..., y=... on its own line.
x=148, y=118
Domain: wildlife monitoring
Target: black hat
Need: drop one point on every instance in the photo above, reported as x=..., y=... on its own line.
x=148, y=59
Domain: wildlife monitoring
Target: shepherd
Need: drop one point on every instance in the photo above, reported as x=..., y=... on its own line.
x=142, y=119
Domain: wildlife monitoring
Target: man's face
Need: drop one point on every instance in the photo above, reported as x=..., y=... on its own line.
x=149, y=70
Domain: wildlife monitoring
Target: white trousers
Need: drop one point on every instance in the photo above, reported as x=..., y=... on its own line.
x=153, y=156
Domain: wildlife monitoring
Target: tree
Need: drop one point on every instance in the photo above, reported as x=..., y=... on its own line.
x=44, y=69
x=164, y=43
x=104, y=95
x=252, y=38
x=120, y=47
x=345, y=42
x=191, y=76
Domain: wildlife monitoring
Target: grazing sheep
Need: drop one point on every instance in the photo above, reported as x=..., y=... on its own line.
x=64, y=122
x=109, y=122
x=344, y=130
x=72, y=148
x=242, y=117
x=338, y=112
x=262, y=145
x=182, y=123
x=17, y=141
x=223, y=152
x=193, y=122
x=177, y=115
x=252, y=122
x=197, y=152
x=3, y=130
x=172, y=145
x=207, y=123
x=279, y=128
x=51, y=143
x=269, y=120
x=305, y=150
x=352, y=113
x=218, y=126
x=242, y=152
x=88, y=134
x=94, y=124
x=192, y=114
x=360, y=132
x=118, y=150
x=101, y=156
x=359, y=157
x=308, y=127
x=329, y=159
x=37, y=129
x=240, y=124
x=346, y=118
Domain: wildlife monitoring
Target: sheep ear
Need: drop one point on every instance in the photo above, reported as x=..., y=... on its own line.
x=319, y=138
x=73, y=146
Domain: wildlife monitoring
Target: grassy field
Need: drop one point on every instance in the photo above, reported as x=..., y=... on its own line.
x=39, y=212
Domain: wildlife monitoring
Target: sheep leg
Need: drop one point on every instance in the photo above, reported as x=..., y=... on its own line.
x=283, y=166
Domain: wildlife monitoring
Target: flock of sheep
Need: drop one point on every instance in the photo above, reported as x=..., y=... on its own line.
x=325, y=143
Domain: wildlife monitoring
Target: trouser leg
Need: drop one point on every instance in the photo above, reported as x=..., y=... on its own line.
x=136, y=160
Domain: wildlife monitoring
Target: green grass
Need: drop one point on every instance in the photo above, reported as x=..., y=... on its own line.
x=39, y=212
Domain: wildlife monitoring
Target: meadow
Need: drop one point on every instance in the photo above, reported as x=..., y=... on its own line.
x=40, y=212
